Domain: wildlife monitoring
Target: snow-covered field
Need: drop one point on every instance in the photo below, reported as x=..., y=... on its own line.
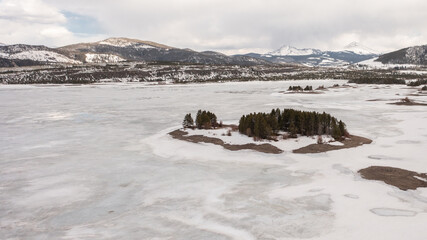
x=95, y=162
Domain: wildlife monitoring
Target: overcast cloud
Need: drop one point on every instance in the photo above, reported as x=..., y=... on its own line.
x=236, y=26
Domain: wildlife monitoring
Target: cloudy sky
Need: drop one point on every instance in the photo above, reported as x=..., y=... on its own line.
x=236, y=26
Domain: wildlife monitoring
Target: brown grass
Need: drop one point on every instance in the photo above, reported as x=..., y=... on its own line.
x=401, y=178
x=264, y=148
x=409, y=103
x=351, y=142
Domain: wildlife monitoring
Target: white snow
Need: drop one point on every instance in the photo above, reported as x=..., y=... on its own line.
x=359, y=49
x=292, y=51
x=414, y=72
x=371, y=63
x=420, y=178
x=119, y=42
x=336, y=143
x=42, y=56
x=390, y=212
x=95, y=161
x=103, y=58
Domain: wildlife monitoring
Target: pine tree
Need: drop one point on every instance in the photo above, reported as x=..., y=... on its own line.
x=342, y=128
x=188, y=121
x=292, y=130
x=336, y=132
x=199, y=119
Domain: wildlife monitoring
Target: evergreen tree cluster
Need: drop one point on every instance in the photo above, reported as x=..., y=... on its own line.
x=299, y=88
x=417, y=83
x=424, y=88
x=204, y=120
x=377, y=80
x=265, y=125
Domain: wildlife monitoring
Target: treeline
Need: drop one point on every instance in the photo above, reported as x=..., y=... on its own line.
x=384, y=80
x=417, y=83
x=299, y=88
x=266, y=125
x=204, y=120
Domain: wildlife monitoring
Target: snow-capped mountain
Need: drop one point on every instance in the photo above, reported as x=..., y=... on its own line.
x=412, y=55
x=293, y=51
x=351, y=53
x=127, y=42
x=125, y=49
x=114, y=50
x=359, y=49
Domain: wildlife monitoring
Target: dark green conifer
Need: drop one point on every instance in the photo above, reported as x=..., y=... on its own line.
x=188, y=121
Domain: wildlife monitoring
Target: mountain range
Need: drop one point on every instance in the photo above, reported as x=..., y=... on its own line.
x=351, y=53
x=114, y=50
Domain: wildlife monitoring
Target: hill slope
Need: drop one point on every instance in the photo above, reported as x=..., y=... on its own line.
x=29, y=55
x=411, y=55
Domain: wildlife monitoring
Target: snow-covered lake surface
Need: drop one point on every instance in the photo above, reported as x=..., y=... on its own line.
x=95, y=162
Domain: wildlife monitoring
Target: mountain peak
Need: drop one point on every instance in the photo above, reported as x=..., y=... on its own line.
x=287, y=50
x=128, y=42
x=358, y=48
x=352, y=45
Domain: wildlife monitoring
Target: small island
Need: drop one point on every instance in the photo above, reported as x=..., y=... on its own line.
x=400, y=178
x=299, y=89
x=266, y=131
x=408, y=102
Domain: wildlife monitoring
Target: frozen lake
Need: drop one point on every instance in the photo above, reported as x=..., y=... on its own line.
x=95, y=162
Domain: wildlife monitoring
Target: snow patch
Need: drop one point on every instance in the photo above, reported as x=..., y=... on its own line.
x=420, y=178
x=118, y=42
x=371, y=63
x=40, y=56
x=103, y=58
x=292, y=51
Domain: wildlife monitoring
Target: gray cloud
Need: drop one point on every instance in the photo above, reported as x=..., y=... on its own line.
x=29, y=11
x=238, y=26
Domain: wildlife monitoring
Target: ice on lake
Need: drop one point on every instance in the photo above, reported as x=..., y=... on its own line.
x=95, y=162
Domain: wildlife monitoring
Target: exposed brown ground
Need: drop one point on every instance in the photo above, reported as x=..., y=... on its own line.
x=377, y=100
x=353, y=141
x=409, y=103
x=401, y=178
x=343, y=86
x=265, y=148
